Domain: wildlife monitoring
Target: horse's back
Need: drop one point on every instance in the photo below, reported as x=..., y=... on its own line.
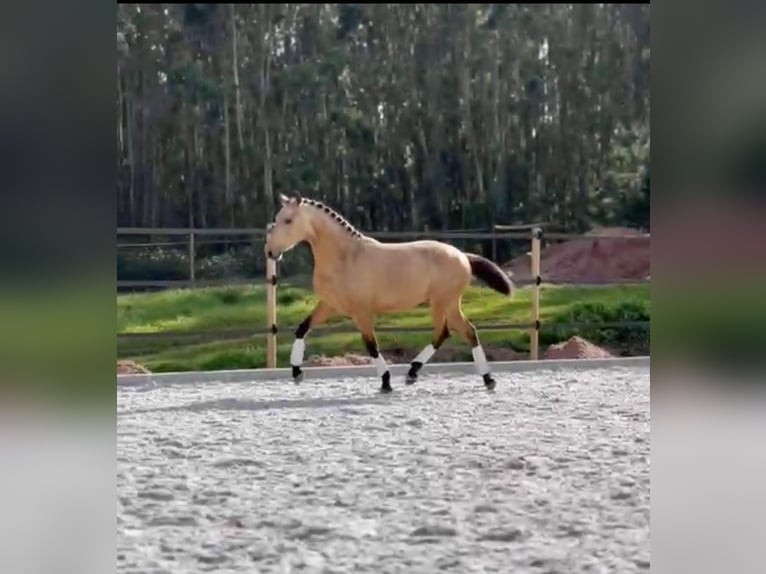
x=421, y=253
x=429, y=247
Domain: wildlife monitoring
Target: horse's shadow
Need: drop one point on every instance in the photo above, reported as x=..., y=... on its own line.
x=234, y=404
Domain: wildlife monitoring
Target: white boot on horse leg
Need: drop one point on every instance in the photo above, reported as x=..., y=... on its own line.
x=381, y=367
x=468, y=333
x=296, y=359
x=425, y=355
x=480, y=360
x=319, y=315
x=417, y=363
x=299, y=348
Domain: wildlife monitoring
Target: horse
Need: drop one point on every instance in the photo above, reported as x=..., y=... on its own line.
x=358, y=277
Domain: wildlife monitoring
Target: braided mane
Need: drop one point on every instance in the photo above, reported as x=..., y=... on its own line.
x=334, y=214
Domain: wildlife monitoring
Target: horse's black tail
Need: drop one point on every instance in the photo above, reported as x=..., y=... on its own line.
x=491, y=274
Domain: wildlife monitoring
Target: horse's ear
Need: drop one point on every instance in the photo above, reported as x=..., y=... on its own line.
x=284, y=199
x=298, y=199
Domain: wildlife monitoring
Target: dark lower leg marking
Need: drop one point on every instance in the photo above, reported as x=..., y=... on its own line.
x=472, y=336
x=415, y=366
x=303, y=328
x=386, y=386
x=442, y=337
x=372, y=346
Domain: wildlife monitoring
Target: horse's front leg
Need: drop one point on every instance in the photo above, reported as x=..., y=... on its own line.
x=319, y=315
x=366, y=325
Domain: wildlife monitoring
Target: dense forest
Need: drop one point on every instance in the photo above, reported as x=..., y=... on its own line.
x=402, y=116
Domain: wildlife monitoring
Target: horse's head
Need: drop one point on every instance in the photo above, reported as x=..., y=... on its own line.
x=290, y=227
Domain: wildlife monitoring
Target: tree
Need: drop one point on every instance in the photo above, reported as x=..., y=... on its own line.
x=400, y=115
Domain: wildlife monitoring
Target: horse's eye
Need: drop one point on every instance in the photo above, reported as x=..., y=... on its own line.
x=288, y=221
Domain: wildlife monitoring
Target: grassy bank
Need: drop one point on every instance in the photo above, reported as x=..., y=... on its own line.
x=244, y=308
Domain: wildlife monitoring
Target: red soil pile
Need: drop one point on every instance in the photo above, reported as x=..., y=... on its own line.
x=130, y=368
x=602, y=256
x=576, y=348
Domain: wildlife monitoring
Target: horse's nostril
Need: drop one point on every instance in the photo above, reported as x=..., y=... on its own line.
x=270, y=254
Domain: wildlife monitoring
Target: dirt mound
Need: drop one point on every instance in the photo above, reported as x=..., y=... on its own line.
x=131, y=368
x=576, y=348
x=602, y=256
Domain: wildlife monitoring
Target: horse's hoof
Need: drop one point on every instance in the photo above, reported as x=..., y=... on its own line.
x=297, y=375
x=386, y=386
x=489, y=383
x=412, y=374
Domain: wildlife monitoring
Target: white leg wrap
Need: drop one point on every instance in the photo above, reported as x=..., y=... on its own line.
x=380, y=365
x=296, y=356
x=425, y=355
x=480, y=360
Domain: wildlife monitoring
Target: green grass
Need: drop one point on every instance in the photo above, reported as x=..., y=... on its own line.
x=194, y=310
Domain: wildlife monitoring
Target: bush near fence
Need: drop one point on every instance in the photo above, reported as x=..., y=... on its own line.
x=170, y=264
x=629, y=338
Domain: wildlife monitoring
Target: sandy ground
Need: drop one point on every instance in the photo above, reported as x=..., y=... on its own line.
x=399, y=355
x=548, y=474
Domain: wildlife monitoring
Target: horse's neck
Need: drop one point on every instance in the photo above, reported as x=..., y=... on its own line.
x=330, y=245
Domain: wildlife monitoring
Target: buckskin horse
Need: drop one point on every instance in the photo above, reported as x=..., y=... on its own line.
x=359, y=277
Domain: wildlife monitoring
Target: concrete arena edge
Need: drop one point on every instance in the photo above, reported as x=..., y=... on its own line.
x=397, y=370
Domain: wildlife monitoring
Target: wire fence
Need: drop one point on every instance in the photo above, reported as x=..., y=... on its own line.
x=190, y=263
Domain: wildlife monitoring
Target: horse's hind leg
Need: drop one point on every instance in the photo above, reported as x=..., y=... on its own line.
x=440, y=334
x=467, y=332
x=367, y=328
x=319, y=315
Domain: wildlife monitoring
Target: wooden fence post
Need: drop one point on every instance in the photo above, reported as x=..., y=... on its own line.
x=271, y=313
x=534, y=335
x=192, y=257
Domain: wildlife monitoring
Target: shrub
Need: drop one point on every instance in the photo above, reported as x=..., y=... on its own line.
x=287, y=296
x=159, y=263
x=229, y=296
x=628, y=337
x=165, y=264
x=234, y=263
